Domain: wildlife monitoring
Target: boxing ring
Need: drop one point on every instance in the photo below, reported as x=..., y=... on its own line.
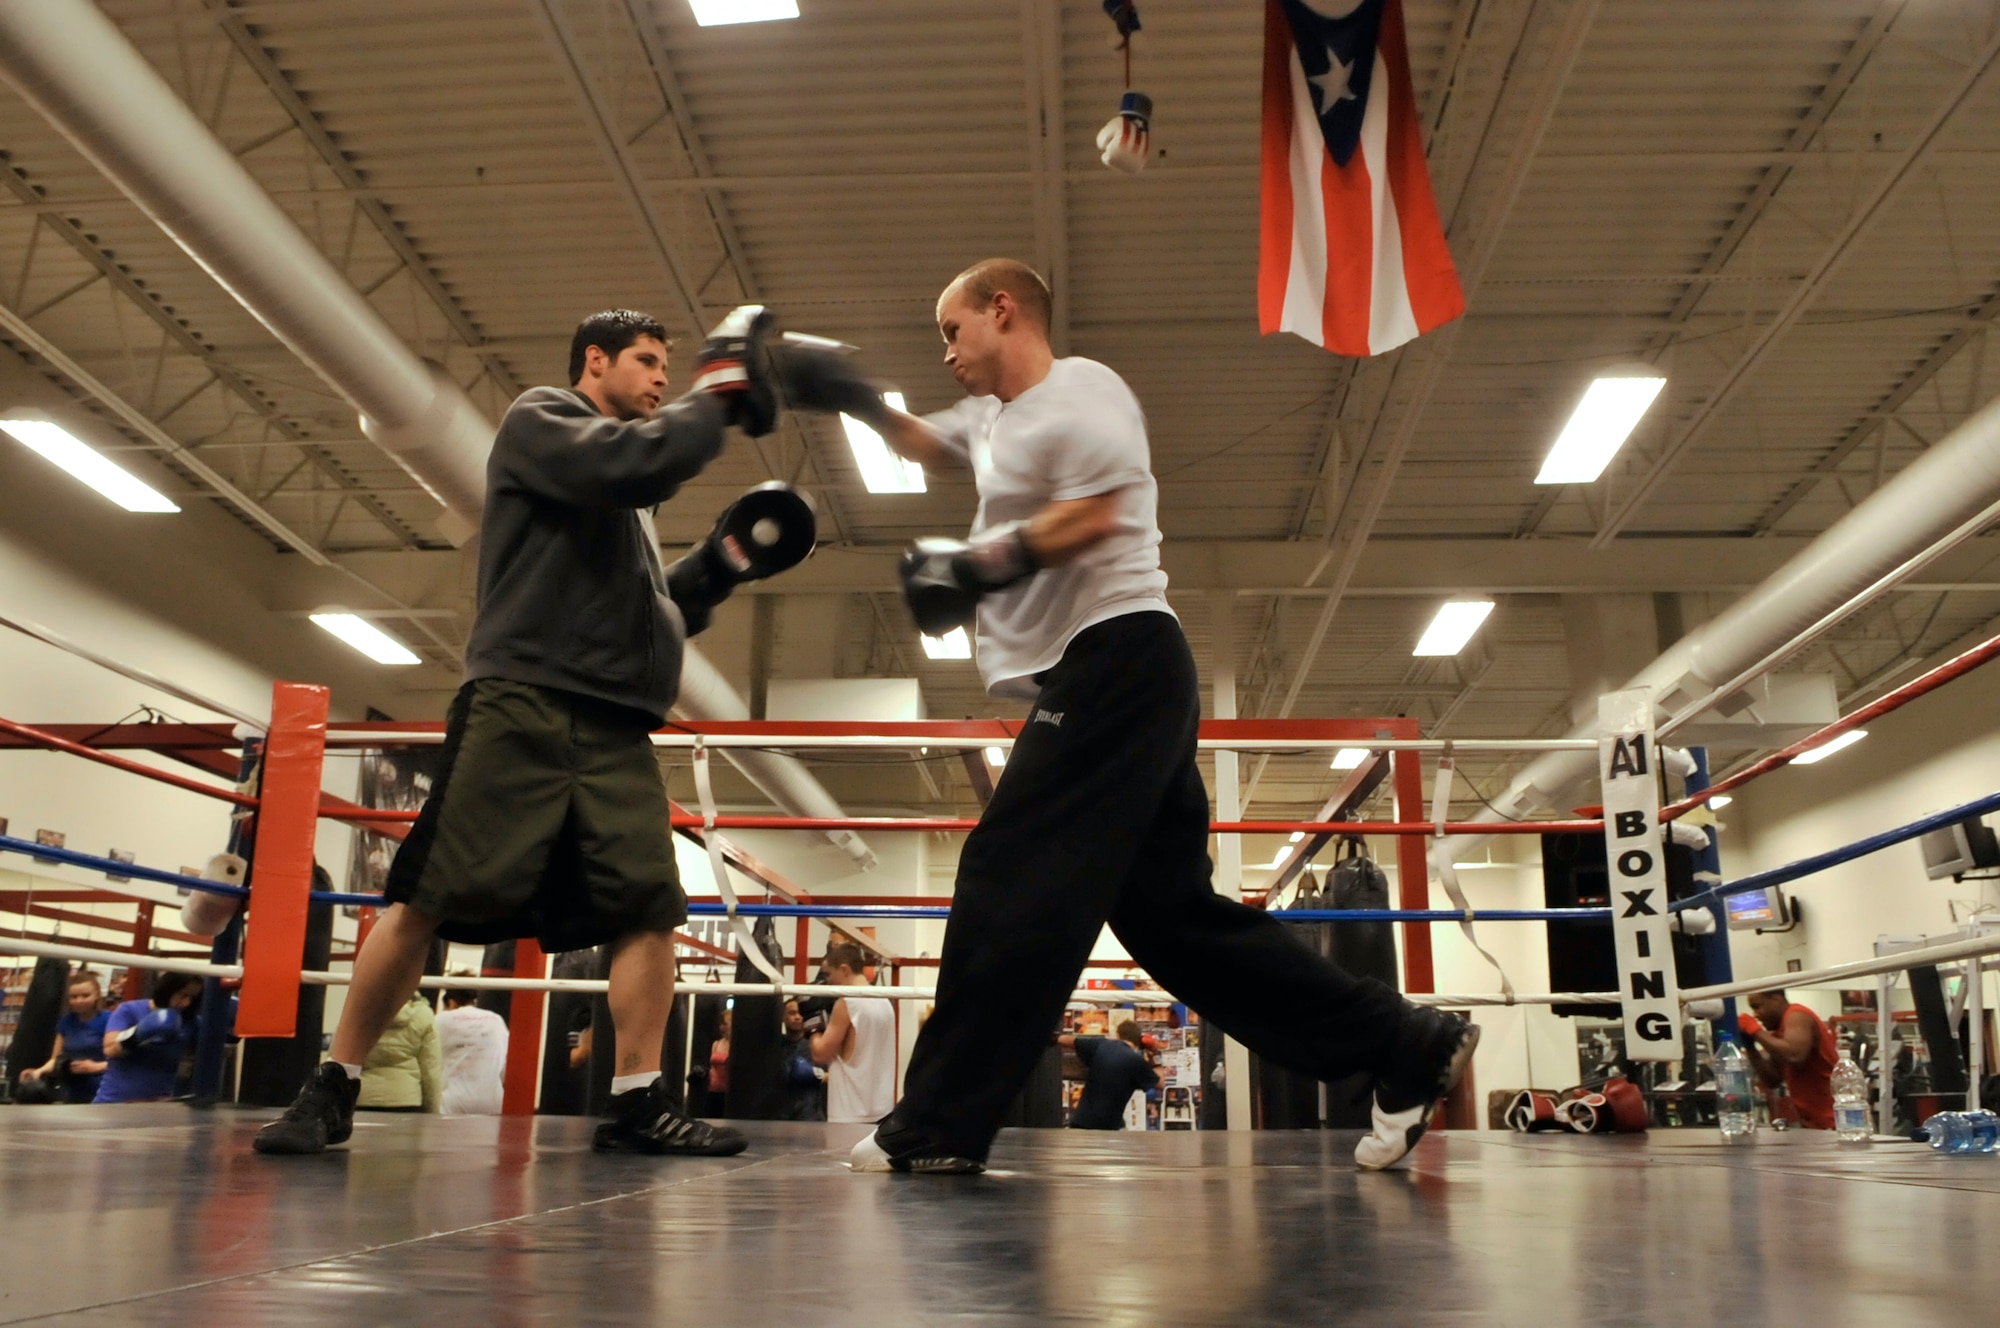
x=273, y=767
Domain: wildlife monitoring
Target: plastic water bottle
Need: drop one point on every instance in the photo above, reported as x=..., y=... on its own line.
x=1964, y=1132
x=1850, y=1102
x=1735, y=1108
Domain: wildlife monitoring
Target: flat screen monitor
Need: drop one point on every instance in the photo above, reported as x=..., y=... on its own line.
x=1757, y=908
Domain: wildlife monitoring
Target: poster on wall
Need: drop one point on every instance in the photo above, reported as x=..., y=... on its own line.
x=392, y=779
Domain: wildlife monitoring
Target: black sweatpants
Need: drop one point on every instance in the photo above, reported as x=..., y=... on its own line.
x=1101, y=816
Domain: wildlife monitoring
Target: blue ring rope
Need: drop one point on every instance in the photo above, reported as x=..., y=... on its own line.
x=1781, y=875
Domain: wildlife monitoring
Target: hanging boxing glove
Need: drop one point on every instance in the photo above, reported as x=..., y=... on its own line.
x=1127, y=137
x=766, y=531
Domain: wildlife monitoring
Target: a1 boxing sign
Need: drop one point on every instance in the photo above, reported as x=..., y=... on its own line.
x=1641, y=926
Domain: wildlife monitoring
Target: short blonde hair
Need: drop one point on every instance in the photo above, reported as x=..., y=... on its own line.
x=985, y=279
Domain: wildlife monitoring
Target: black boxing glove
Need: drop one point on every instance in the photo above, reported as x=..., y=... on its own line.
x=820, y=375
x=944, y=579
x=815, y=1012
x=766, y=531
x=735, y=365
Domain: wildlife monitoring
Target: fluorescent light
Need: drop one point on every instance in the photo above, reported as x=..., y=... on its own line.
x=721, y=13
x=56, y=444
x=1720, y=801
x=995, y=757
x=881, y=470
x=1297, y=835
x=1282, y=856
x=1349, y=758
x=1453, y=626
x=366, y=637
x=1814, y=755
x=1604, y=419
x=954, y=644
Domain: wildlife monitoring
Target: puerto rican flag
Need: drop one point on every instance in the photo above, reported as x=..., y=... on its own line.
x=1353, y=256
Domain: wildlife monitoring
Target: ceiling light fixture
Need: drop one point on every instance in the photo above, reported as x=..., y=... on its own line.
x=1453, y=626
x=721, y=13
x=366, y=637
x=996, y=757
x=1349, y=758
x=1814, y=755
x=58, y=445
x=1297, y=835
x=1719, y=801
x=954, y=644
x=881, y=470
x=1611, y=408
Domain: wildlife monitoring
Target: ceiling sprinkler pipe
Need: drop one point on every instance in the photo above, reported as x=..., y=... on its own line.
x=76, y=68
x=1921, y=506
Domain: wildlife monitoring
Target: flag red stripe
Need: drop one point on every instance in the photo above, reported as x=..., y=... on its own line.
x=1274, y=255
x=1350, y=252
x=1435, y=295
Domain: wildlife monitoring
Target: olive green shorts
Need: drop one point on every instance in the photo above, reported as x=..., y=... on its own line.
x=548, y=819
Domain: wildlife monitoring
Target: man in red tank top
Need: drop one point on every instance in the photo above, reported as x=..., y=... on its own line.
x=1789, y=1044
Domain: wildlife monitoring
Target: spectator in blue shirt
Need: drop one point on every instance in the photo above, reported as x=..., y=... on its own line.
x=145, y=1042
x=77, y=1063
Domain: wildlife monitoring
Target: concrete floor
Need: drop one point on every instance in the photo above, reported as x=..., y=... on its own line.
x=160, y=1215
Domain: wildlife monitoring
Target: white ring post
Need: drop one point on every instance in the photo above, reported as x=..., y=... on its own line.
x=1228, y=807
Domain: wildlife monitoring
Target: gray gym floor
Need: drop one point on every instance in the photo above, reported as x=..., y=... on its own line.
x=161, y=1215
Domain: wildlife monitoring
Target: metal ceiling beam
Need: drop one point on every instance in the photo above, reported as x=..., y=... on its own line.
x=1823, y=271
x=1042, y=58
x=191, y=344
x=251, y=48
x=135, y=419
x=1982, y=318
x=602, y=123
x=1803, y=135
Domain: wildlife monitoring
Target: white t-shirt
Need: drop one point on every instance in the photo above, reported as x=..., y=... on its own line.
x=861, y=1087
x=1077, y=433
x=472, y=1043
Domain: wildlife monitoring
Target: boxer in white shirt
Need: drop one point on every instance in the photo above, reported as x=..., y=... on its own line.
x=1101, y=814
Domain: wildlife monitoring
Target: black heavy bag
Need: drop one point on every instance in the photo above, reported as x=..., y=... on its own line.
x=1286, y=1100
x=1365, y=949
x=41, y=1008
x=759, y=1077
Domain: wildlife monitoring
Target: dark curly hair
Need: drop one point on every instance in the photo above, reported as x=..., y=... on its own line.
x=611, y=332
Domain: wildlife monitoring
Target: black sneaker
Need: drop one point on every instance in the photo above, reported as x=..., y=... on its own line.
x=1440, y=1049
x=892, y=1147
x=643, y=1122
x=321, y=1115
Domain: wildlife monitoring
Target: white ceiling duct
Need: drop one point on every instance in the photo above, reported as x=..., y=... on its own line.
x=73, y=65
x=1936, y=495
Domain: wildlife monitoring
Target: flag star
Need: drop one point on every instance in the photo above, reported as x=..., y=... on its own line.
x=1332, y=86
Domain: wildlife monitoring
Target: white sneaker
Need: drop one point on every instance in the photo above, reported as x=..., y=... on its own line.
x=868, y=1156
x=1397, y=1132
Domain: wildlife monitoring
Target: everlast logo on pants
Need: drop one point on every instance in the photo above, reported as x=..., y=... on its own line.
x=1053, y=717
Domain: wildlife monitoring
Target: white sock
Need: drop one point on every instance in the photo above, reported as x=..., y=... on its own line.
x=353, y=1071
x=625, y=1083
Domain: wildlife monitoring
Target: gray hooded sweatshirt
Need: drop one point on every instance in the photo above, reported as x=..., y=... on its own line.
x=571, y=592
